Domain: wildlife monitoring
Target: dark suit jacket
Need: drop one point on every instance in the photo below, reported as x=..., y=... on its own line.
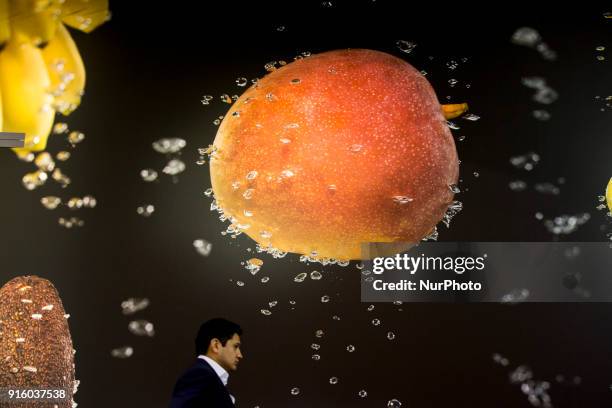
x=200, y=387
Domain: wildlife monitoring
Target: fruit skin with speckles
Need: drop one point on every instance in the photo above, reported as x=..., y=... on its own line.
x=337, y=140
x=609, y=194
x=34, y=334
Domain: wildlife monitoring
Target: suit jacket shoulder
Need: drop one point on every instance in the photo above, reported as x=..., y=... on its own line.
x=200, y=387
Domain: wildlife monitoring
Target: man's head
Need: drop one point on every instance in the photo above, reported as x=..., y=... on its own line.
x=219, y=339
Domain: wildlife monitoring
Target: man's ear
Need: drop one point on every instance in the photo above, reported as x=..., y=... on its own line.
x=214, y=345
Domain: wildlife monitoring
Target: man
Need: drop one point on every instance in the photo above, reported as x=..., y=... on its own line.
x=203, y=385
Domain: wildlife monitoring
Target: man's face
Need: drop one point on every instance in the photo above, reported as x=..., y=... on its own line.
x=229, y=355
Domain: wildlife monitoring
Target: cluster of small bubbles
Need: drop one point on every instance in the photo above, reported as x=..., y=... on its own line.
x=202, y=247
x=241, y=81
x=515, y=296
x=44, y=162
x=350, y=348
x=253, y=265
x=547, y=188
x=265, y=312
x=471, y=117
x=275, y=252
x=526, y=36
x=141, y=328
x=333, y=380
x=335, y=317
x=273, y=303
x=363, y=393
x=433, y=235
x=50, y=202
x=452, y=125
x=325, y=299
x=526, y=161
x=174, y=167
x=281, y=28
x=566, y=224
x=390, y=336
x=145, y=210
x=62, y=155
x=217, y=121
x=71, y=222
x=206, y=99
x=60, y=128
x=529, y=37
x=402, y=199
x=453, y=209
x=122, y=352
x=501, y=360
x=133, y=305
x=541, y=114
x=452, y=65
x=544, y=94
x=75, y=137
x=315, y=275
x=376, y=322
x=169, y=145
x=517, y=185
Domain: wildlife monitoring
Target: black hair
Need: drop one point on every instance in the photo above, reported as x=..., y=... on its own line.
x=217, y=328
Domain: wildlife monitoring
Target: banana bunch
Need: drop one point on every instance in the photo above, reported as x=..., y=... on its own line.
x=41, y=70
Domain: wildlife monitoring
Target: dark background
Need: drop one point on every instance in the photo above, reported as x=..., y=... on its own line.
x=147, y=71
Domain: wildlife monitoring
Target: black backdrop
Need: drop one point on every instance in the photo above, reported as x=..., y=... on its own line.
x=147, y=71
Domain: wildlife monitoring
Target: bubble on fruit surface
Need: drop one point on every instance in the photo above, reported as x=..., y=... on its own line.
x=133, y=305
x=174, y=167
x=402, y=199
x=515, y=296
x=526, y=161
x=145, y=210
x=202, y=247
x=122, y=352
x=141, y=328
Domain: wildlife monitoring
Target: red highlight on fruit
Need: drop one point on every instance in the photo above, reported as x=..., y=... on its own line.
x=335, y=150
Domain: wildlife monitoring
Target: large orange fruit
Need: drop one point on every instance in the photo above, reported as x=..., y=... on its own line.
x=335, y=150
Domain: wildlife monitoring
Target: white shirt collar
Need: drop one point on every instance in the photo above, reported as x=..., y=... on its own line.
x=221, y=373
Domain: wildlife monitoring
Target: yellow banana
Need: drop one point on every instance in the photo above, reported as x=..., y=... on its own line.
x=85, y=15
x=34, y=21
x=26, y=102
x=452, y=111
x=66, y=71
x=5, y=27
x=609, y=195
